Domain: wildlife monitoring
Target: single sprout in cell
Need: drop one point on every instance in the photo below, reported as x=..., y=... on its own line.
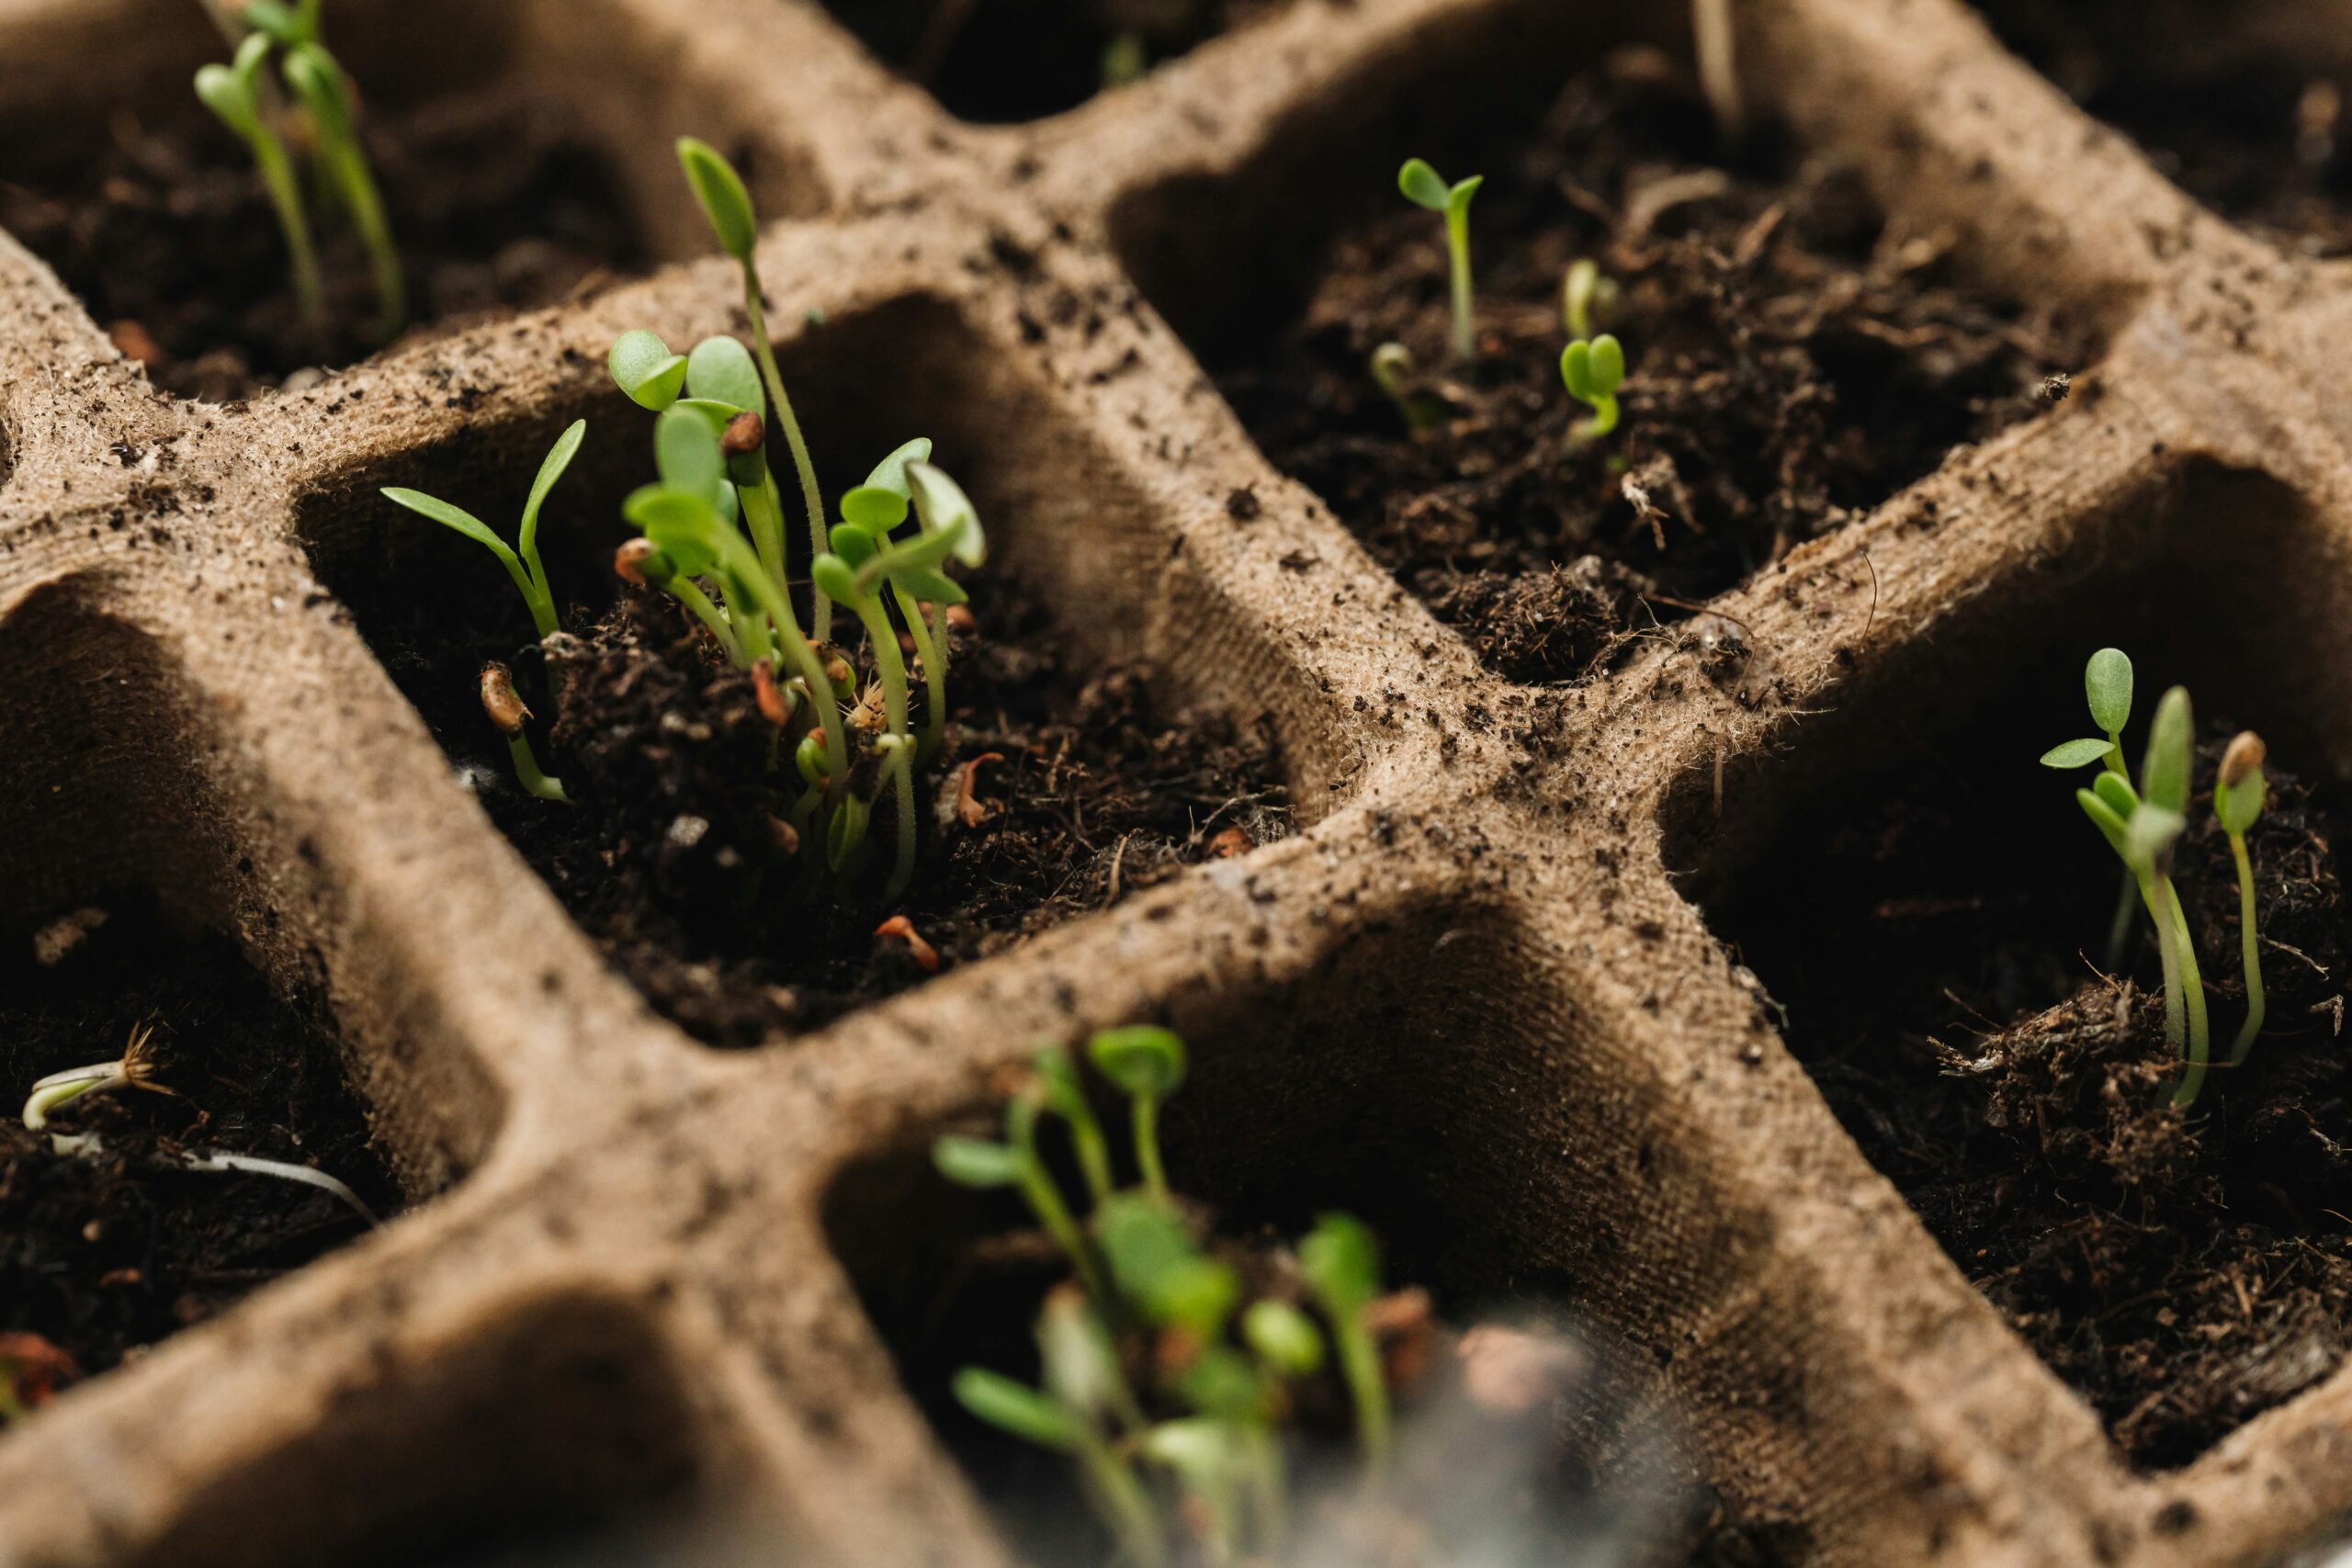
x=1593, y=372
x=522, y=559
x=1392, y=370
x=1587, y=298
x=2238, y=802
x=1424, y=187
x=1161, y=1380
x=323, y=118
x=507, y=716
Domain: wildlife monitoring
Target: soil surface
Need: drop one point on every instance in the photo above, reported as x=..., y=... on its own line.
x=2269, y=147
x=101, y=1255
x=1792, y=359
x=669, y=863
x=2183, y=1270
x=998, y=61
x=164, y=230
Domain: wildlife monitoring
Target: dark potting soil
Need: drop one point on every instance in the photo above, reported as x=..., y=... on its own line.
x=166, y=234
x=1002, y=60
x=1792, y=359
x=1941, y=981
x=670, y=863
x=2269, y=147
x=101, y=1255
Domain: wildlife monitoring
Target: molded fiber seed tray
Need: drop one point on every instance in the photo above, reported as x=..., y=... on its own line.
x=618, y=1289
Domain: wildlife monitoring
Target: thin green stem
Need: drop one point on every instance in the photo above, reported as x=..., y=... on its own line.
x=526, y=769
x=902, y=784
x=286, y=200
x=930, y=647
x=2192, y=984
x=1125, y=1504
x=1147, y=1135
x=1046, y=1202
x=763, y=519
x=356, y=186
x=778, y=605
x=717, y=620
x=793, y=439
x=1359, y=1365
x=1457, y=246
x=2176, y=1012
x=2248, y=948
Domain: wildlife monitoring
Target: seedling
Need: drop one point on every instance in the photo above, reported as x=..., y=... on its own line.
x=728, y=204
x=1587, y=298
x=2141, y=826
x=1393, y=369
x=507, y=716
x=1593, y=372
x=137, y=1067
x=253, y=106
x=2238, y=802
x=1424, y=187
x=1200, y=1444
x=521, y=562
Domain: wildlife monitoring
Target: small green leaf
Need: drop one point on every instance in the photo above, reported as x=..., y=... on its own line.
x=846, y=831
x=1019, y=1409
x=808, y=759
x=2077, y=754
x=976, y=1162
x=1144, y=1060
x=247, y=61
x=448, y=517
x=1607, y=366
x=722, y=369
x=942, y=504
x=687, y=455
x=2164, y=772
x=311, y=72
x=854, y=543
x=890, y=473
x=2116, y=790
x=1075, y=1351
x=724, y=200
x=681, y=524
x=1421, y=185
x=2104, y=817
x=1342, y=1261
x=2240, y=804
x=2151, y=833
x=1154, y=1260
x=1223, y=1382
x=229, y=97
x=1457, y=200
x=2107, y=682
x=835, y=578
x=276, y=20
x=873, y=508
x=1576, y=370
x=1285, y=1337
x=558, y=458
x=643, y=367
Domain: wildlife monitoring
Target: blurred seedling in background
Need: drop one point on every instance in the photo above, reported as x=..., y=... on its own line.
x=320, y=123
x=2142, y=826
x=31, y=1371
x=139, y=1066
x=1588, y=299
x=1422, y=186
x=1393, y=370
x=1168, y=1388
x=1593, y=371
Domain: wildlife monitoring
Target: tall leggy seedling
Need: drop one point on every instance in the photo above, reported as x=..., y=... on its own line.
x=1423, y=187
x=2238, y=802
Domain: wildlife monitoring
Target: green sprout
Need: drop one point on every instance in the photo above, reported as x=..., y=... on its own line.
x=2238, y=802
x=728, y=205
x=252, y=106
x=2142, y=826
x=507, y=715
x=1593, y=372
x=522, y=561
x=1423, y=188
x=1587, y=298
x=1198, y=1444
x=1392, y=370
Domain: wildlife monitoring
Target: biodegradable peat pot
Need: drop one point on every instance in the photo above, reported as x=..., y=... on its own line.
x=1479, y=990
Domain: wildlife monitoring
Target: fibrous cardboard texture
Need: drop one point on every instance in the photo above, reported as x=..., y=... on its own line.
x=1467, y=995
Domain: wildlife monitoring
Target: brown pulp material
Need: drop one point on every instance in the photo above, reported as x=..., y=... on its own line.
x=1793, y=360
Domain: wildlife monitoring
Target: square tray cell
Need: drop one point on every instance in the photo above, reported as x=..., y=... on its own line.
x=1795, y=355
x=501, y=193
x=2247, y=107
x=1000, y=61
x=1929, y=913
x=1101, y=782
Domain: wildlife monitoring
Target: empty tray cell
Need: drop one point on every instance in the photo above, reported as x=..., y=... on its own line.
x=1425, y=1096
x=1794, y=355
x=1929, y=912
x=116, y=894
x=500, y=192
x=2247, y=106
x=996, y=61
x=1093, y=779
x=557, y=1433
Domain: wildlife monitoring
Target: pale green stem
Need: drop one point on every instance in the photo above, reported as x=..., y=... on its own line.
x=720, y=625
x=2248, y=947
x=356, y=185
x=526, y=769
x=286, y=199
x=1457, y=246
x=1125, y=1504
x=1046, y=1203
x=792, y=436
x=1147, y=1135
x=778, y=605
x=2118, y=930
x=2176, y=1011
x=930, y=647
x=2192, y=984
x=1359, y=1365
x=885, y=637
x=764, y=517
